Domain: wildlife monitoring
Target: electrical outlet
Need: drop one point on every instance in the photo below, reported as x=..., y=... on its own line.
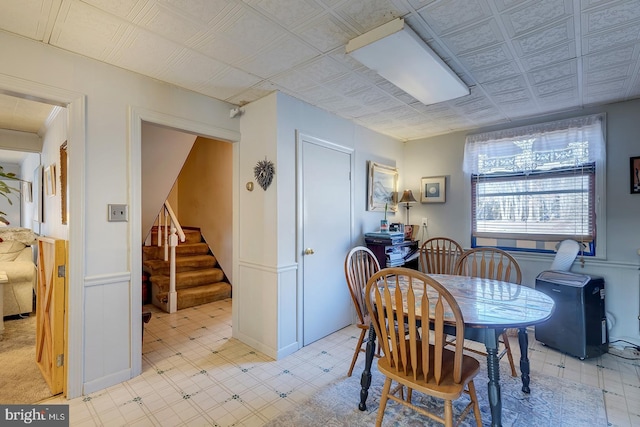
x=425, y=222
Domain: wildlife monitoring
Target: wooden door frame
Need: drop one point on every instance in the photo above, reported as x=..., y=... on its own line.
x=136, y=116
x=75, y=102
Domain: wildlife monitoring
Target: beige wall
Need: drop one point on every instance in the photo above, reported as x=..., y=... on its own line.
x=205, y=196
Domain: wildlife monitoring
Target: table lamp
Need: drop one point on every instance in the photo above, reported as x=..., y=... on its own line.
x=407, y=197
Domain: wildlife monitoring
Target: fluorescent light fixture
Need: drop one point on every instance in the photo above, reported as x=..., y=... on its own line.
x=396, y=53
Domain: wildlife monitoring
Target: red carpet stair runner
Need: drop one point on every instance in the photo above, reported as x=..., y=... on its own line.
x=199, y=279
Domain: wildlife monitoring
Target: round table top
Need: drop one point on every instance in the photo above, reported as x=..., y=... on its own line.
x=488, y=303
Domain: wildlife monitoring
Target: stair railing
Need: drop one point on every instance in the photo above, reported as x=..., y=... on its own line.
x=169, y=227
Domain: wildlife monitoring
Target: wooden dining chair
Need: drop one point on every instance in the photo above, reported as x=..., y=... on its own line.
x=416, y=357
x=492, y=263
x=439, y=255
x=359, y=265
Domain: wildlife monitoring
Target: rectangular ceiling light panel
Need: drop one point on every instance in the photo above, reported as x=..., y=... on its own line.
x=396, y=53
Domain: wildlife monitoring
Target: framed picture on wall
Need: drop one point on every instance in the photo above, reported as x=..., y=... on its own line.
x=27, y=195
x=432, y=189
x=634, y=169
x=50, y=180
x=382, y=187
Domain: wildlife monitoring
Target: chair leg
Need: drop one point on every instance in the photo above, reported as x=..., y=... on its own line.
x=505, y=338
x=383, y=401
x=476, y=406
x=448, y=413
x=363, y=333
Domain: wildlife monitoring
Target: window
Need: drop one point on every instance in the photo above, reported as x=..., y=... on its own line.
x=534, y=186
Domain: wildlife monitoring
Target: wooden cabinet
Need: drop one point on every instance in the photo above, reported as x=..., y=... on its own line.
x=403, y=254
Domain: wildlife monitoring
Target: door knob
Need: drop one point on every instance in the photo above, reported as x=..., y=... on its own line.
x=308, y=251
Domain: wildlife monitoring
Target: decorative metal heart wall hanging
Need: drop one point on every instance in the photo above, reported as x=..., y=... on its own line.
x=264, y=171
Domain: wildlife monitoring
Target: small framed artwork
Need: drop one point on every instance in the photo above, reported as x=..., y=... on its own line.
x=382, y=187
x=27, y=194
x=50, y=180
x=432, y=189
x=634, y=170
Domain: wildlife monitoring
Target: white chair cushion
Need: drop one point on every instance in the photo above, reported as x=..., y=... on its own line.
x=567, y=252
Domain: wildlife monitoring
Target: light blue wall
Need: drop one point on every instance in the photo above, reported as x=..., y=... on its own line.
x=443, y=155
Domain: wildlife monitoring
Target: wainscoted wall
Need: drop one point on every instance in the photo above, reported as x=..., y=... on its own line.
x=106, y=355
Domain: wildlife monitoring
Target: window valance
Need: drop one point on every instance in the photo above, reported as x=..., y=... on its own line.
x=563, y=143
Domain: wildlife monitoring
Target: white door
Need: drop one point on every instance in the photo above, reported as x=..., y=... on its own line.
x=326, y=226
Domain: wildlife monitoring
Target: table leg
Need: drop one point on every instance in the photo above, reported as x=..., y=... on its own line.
x=365, y=379
x=523, y=340
x=493, y=371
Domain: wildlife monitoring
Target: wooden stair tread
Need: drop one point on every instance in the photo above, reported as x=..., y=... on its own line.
x=155, y=267
x=201, y=294
x=199, y=280
x=189, y=279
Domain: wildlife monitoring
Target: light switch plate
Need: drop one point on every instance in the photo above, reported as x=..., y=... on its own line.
x=118, y=213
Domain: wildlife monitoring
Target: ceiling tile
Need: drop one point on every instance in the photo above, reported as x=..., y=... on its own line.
x=229, y=83
x=171, y=25
x=191, y=70
x=554, y=71
x=499, y=72
x=25, y=17
x=88, y=31
x=611, y=39
x=139, y=52
x=205, y=11
x=535, y=15
x=254, y=30
x=121, y=8
x=487, y=57
x=325, y=33
x=323, y=69
x=479, y=36
x=366, y=15
x=559, y=33
x=612, y=14
x=280, y=56
x=542, y=58
x=290, y=13
x=505, y=85
x=559, y=85
x=451, y=15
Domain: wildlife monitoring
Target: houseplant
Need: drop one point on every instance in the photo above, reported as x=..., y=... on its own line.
x=6, y=190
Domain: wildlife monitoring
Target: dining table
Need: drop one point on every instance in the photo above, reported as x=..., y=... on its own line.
x=489, y=307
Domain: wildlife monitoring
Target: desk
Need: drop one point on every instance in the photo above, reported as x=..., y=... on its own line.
x=488, y=307
x=407, y=247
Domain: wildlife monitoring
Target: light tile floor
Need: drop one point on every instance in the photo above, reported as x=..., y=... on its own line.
x=196, y=374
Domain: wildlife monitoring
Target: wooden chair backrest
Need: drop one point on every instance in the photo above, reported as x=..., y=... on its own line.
x=439, y=255
x=359, y=265
x=406, y=345
x=489, y=263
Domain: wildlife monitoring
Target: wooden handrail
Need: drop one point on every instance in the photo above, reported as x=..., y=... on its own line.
x=173, y=231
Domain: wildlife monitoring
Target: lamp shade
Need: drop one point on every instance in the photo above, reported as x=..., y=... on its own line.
x=407, y=197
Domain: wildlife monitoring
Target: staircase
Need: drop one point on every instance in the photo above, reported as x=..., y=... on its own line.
x=199, y=280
